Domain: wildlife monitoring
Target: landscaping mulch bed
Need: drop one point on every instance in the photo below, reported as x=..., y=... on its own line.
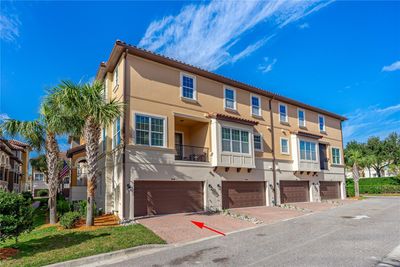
x=7, y=253
x=106, y=220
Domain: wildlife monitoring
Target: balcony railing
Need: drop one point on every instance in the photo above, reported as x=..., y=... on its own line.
x=191, y=153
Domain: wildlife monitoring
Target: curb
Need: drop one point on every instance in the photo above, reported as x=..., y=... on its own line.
x=106, y=256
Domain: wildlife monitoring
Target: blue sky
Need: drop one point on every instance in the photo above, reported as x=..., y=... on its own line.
x=341, y=56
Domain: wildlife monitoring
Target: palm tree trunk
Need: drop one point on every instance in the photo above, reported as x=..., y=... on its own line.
x=356, y=177
x=92, y=136
x=52, y=159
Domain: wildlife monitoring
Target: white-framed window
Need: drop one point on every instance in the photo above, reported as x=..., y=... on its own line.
x=308, y=151
x=39, y=177
x=321, y=123
x=105, y=86
x=116, y=77
x=230, y=98
x=188, y=86
x=258, y=142
x=116, y=132
x=255, y=105
x=301, y=114
x=104, y=140
x=283, y=114
x=336, y=155
x=284, y=146
x=235, y=140
x=149, y=130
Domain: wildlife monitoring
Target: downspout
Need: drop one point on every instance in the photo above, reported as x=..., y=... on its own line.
x=124, y=98
x=273, y=152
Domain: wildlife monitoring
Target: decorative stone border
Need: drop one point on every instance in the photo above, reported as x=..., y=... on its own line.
x=242, y=217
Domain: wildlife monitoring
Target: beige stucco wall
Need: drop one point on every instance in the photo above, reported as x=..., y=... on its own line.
x=154, y=89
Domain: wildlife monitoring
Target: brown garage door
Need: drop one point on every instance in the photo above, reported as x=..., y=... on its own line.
x=152, y=198
x=329, y=190
x=294, y=191
x=243, y=194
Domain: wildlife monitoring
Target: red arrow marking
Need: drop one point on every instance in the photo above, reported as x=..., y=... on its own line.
x=201, y=225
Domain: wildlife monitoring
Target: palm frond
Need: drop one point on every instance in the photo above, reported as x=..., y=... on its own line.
x=33, y=132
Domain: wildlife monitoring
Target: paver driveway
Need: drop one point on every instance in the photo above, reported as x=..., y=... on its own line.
x=177, y=228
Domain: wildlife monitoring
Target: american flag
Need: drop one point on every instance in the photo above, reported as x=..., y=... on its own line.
x=64, y=171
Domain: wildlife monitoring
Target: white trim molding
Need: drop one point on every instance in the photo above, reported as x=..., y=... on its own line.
x=286, y=113
x=194, y=85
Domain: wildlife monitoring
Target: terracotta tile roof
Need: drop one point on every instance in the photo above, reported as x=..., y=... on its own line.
x=18, y=143
x=74, y=150
x=305, y=134
x=121, y=46
x=224, y=117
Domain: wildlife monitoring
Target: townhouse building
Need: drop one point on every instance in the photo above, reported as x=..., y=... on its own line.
x=14, y=160
x=192, y=140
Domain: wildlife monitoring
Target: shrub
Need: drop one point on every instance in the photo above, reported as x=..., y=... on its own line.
x=42, y=193
x=16, y=215
x=63, y=206
x=81, y=207
x=69, y=219
x=27, y=196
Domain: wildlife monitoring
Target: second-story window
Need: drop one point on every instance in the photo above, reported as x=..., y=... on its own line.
x=104, y=143
x=257, y=142
x=302, y=117
x=335, y=155
x=308, y=151
x=321, y=123
x=283, y=115
x=117, y=132
x=255, y=105
x=284, y=146
x=188, y=86
x=116, y=77
x=149, y=130
x=234, y=140
x=230, y=98
x=105, y=83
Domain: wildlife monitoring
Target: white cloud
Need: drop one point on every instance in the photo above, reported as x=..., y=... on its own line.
x=267, y=65
x=304, y=25
x=9, y=27
x=371, y=121
x=3, y=116
x=204, y=34
x=392, y=67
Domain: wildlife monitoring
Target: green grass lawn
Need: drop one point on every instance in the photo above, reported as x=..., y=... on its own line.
x=46, y=245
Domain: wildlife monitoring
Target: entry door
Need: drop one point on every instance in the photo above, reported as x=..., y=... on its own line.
x=323, y=160
x=179, y=146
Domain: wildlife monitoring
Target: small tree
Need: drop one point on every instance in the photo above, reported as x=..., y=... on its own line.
x=16, y=215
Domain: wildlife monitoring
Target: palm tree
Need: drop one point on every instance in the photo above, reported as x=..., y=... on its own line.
x=41, y=133
x=355, y=160
x=86, y=102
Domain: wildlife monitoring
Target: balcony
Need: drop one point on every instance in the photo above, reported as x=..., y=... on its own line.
x=191, y=153
x=192, y=139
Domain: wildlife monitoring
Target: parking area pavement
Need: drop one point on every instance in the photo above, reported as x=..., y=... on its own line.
x=321, y=206
x=268, y=214
x=176, y=228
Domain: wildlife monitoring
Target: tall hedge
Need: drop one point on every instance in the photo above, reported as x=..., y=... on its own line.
x=16, y=215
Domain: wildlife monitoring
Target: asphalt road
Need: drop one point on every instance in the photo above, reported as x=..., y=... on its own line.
x=358, y=234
